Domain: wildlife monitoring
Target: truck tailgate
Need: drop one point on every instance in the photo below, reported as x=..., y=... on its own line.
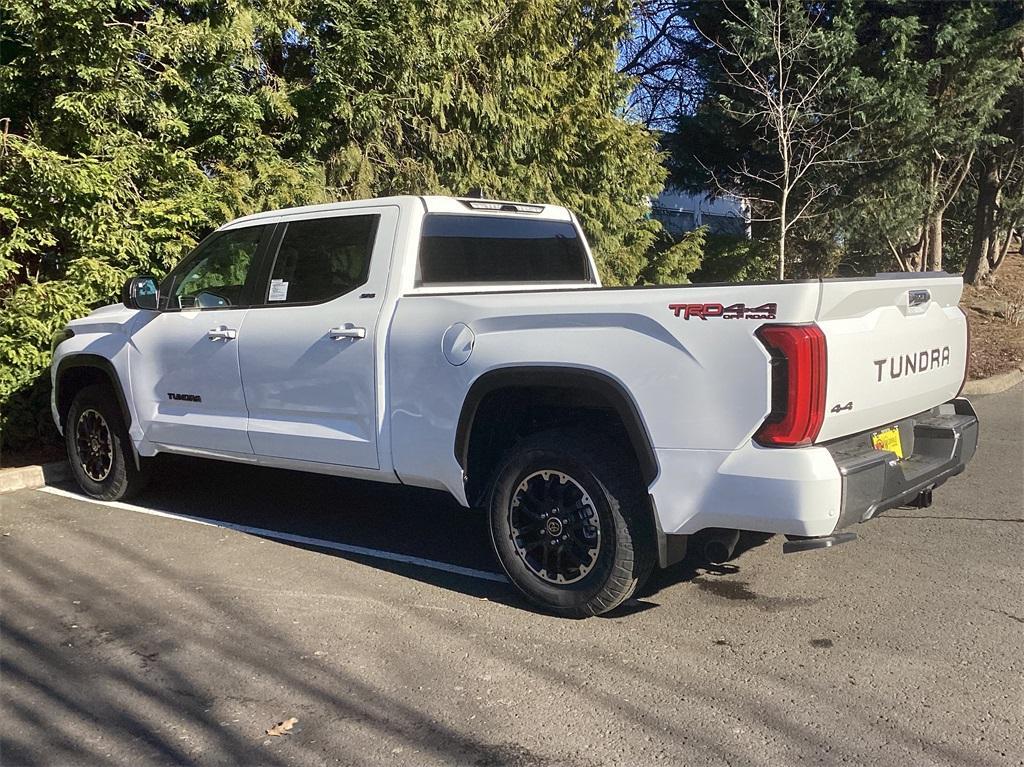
x=896, y=346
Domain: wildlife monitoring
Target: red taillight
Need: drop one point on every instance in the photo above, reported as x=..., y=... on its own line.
x=967, y=361
x=799, y=373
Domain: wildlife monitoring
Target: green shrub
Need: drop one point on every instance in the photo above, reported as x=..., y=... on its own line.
x=673, y=259
x=736, y=259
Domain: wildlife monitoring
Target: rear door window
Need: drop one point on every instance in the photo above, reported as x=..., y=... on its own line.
x=467, y=250
x=323, y=258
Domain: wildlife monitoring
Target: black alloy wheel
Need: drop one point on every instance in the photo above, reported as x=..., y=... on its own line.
x=571, y=522
x=555, y=526
x=95, y=445
x=100, y=451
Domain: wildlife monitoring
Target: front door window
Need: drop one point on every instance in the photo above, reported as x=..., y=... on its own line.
x=213, y=278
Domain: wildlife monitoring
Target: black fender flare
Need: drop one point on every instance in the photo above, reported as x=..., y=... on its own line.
x=562, y=377
x=99, y=363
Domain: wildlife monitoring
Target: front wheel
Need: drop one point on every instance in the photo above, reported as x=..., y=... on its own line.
x=99, y=448
x=571, y=524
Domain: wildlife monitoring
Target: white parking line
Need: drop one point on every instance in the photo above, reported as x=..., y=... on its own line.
x=277, y=535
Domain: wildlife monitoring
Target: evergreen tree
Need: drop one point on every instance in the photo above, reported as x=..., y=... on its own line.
x=997, y=192
x=519, y=99
x=944, y=69
x=921, y=83
x=129, y=129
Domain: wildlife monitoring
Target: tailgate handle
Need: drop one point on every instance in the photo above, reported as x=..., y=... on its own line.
x=346, y=331
x=918, y=298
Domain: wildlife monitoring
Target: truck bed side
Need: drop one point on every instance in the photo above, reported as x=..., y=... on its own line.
x=699, y=383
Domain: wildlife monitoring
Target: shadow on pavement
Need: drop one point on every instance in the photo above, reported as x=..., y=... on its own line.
x=158, y=671
x=392, y=518
x=136, y=679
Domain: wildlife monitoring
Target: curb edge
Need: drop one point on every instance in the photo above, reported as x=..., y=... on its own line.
x=995, y=384
x=34, y=476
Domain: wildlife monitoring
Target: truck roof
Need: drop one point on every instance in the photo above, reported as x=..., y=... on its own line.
x=428, y=203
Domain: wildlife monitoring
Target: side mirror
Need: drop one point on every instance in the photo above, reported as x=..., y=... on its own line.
x=141, y=292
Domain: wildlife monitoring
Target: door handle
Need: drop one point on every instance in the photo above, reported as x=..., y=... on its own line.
x=221, y=333
x=346, y=332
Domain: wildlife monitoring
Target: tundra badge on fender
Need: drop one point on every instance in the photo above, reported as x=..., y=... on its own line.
x=184, y=397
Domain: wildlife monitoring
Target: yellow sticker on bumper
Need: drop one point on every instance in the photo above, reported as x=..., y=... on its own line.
x=888, y=439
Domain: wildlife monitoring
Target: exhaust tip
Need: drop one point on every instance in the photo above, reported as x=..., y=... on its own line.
x=720, y=546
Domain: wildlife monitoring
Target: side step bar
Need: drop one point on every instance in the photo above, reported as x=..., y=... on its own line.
x=797, y=543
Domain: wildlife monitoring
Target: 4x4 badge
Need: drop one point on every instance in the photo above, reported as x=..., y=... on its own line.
x=730, y=312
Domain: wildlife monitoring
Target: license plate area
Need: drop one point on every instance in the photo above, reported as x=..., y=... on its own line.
x=888, y=440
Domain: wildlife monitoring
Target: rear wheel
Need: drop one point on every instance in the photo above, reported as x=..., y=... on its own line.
x=571, y=524
x=99, y=448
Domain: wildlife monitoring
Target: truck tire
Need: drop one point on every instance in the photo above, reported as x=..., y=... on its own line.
x=99, y=448
x=571, y=523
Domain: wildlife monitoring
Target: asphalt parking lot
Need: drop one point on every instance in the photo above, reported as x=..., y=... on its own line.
x=134, y=638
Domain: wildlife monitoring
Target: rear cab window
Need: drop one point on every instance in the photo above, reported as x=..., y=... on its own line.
x=460, y=249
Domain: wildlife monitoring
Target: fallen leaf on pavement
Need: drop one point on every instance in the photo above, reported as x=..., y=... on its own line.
x=281, y=728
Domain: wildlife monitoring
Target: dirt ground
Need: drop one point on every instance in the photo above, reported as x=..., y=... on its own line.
x=996, y=314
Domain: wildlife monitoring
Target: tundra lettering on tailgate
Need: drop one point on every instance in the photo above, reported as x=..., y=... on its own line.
x=909, y=364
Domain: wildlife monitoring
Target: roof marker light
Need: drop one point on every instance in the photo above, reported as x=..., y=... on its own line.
x=510, y=207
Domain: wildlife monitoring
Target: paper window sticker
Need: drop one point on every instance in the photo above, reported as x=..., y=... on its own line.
x=278, y=290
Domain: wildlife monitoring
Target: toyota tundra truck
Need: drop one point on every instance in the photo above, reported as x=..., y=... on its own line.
x=468, y=345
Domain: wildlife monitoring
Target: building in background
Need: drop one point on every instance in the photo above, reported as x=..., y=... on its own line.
x=680, y=212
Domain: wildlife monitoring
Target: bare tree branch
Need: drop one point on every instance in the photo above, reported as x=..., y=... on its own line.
x=776, y=54
x=658, y=56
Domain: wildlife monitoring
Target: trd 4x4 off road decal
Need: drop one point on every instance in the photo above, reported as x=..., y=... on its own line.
x=731, y=312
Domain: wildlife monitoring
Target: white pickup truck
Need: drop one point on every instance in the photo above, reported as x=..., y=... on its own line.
x=468, y=345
